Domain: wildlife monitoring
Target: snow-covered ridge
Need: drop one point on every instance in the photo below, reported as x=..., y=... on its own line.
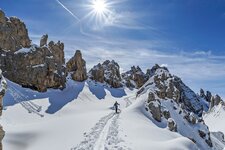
x=169, y=102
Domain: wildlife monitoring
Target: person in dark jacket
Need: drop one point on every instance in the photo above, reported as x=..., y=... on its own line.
x=116, y=105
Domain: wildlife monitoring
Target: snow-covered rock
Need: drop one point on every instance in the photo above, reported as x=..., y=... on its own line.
x=108, y=72
x=19, y=58
x=180, y=107
x=134, y=78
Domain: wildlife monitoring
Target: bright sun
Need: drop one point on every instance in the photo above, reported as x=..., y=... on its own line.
x=100, y=10
x=99, y=6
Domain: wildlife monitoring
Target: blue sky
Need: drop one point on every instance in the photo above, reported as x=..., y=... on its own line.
x=188, y=36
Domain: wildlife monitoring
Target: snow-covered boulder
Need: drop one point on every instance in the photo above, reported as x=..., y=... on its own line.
x=172, y=126
x=108, y=72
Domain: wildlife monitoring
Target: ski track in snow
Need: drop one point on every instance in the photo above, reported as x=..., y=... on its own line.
x=128, y=102
x=105, y=134
x=113, y=141
x=91, y=138
x=28, y=105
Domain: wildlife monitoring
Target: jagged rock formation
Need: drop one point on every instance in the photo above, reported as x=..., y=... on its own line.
x=31, y=66
x=171, y=87
x=134, y=78
x=44, y=40
x=108, y=72
x=168, y=98
x=151, y=72
x=206, y=96
x=13, y=33
x=215, y=101
x=77, y=66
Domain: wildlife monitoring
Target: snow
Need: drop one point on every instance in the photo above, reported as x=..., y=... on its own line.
x=39, y=65
x=136, y=123
x=215, y=119
x=77, y=118
x=27, y=50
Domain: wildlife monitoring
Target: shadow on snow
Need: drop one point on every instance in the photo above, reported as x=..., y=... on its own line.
x=59, y=98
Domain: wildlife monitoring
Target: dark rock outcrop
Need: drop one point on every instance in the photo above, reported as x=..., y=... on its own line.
x=172, y=126
x=13, y=33
x=208, y=96
x=134, y=78
x=155, y=109
x=44, y=40
x=77, y=66
x=215, y=101
x=108, y=71
x=31, y=66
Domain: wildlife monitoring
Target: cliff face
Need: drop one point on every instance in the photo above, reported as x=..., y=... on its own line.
x=36, y=67
x=13, y=33
x=168, y=100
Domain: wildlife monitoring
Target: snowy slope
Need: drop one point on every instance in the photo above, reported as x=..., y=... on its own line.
x=84, y=119
x=144, y=133
x=215, y=119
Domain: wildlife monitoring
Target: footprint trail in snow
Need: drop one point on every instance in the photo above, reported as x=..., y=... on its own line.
x=104, y=135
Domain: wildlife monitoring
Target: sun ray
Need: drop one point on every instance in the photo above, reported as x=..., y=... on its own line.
x=99, y=11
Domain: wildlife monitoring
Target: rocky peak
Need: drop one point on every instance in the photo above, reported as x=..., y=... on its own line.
x=167, y=86
x=151, y=72
x=13, y=33
x=134, y=78
x=168, y=99
x=77, y=66
x=215, y=101
x=108, y=71
x=44, y=40
x=57, y=49
x=29, y=65
x=206, y=96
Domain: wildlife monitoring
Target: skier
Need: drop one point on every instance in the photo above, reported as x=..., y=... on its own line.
x=3, y=87
x=116, y=105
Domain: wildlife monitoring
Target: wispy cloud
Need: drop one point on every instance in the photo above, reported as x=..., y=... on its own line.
x=126, y=20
